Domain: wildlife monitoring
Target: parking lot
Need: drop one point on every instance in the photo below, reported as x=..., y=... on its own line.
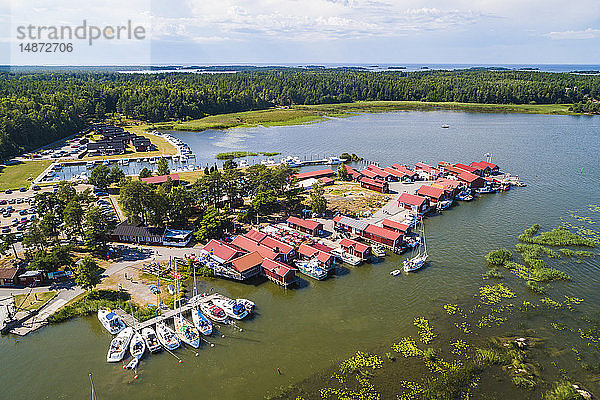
x=18, y=212
x=69, y=149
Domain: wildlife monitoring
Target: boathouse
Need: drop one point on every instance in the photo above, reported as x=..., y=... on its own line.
x=8, y=276
x=380, y=186
x=350, y=225
x=471, y=180
x=429, y=172
x=322, y=173
x=355, y=248
x=286, y=251
x=308, y=252
x=248, y=265
x=487, y=167
x=251, y=246
x=434, y=194
x=395, y=226
x=370, y=174
x=382, y=173
x=398, y=175
x=413, y=202
x=384, y=236
x=137, y=233
x=309, y=226
x=31, y=278
x=157, y=180
x=221, y=251
x=354, y=174
x=452, y=186
x=468, y=168
x=412, y=175
x=279, y=273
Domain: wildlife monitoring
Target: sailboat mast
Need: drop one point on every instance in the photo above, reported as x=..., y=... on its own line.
x=93, y=390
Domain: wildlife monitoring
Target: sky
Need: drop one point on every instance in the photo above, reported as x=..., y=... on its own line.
x=315, y=31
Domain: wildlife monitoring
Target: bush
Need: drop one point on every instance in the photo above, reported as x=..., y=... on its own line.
x=563, y=391
x=497, y=258
x=488, y=357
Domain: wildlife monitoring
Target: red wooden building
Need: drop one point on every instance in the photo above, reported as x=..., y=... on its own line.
x=384, y=236
x=279, y=273
x=412, y=175
x=434, y=194
x=395, y=226
x=305, y=225
x=413, y=202
x=328, y=172
x=471, y=180
x=308, y=252
x=358, y=249
x=248, y=265
x=377, y=185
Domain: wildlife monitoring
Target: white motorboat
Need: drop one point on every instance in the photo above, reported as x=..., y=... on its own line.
x=312, y=269
x=444, y=204
x=126, y=161
x=346, y=257
x=213, y=312
x=419, y=254
x=133, y=363
x=378, y=251
x=151, y=339
x=118, y=346
x=167, y=337
x=137, y=347
x=249, y=305
x=232, y=308
x=486, y=189
x=334, y=160
x=111, y=321
x=89, y=164
x=186, y=332
x=396, y=272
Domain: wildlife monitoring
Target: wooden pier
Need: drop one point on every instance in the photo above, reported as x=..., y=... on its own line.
x=166, y=313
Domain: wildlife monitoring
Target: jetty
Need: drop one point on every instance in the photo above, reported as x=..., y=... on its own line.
x=166, y=313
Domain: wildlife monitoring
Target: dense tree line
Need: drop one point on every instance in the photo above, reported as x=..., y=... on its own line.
x=38, y=108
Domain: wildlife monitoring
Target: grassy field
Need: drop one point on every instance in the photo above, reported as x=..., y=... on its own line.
x=21, y=174
x=34, y=300
x=302, y=114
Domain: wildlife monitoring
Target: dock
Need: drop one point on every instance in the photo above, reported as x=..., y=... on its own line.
x=166, y=313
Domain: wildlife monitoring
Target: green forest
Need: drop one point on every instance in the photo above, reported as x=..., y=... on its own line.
x=37, y=109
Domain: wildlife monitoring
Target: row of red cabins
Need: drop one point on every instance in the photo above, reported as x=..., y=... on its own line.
x=391, y=234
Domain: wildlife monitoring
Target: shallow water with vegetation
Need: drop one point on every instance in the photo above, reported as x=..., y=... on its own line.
x=307, y=332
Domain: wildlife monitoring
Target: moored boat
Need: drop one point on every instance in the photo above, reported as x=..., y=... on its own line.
x=137, y=347
x=111, y=321
x=378, y=251
x=167, y=337
x=201, y=323
x=420, y=254
x=118, y=346
x=151, y=339
x=311, y=268
x=213, y=312
x=186, y=332
x=249, y=305
x=232, y=308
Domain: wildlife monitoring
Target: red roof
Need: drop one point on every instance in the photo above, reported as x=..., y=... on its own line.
x=395, y=225
x=255, y=235
x=247, y=261
x=381, y=172
x=315, y=174
x=352, y=172
x=448, y=184
x=337, y=218
x=427, y=168
x=430, y=191
x=484, y=164
x=221, y=250
x=251, y=246
x=369, y=173
x=395, y=172
x=468, y=177
x=404, y=168
x=160, y=178
x=361, y=247
x=305, y=223
x=326, y=181
x=372, y=182
x=382, y=232
x=279, y=268
x=273, y=243
x=310, y=251
x=322, y=247
x=467, y=168
x=411, y=199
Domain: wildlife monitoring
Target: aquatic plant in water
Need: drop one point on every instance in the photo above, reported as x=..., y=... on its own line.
x=407, y=347
x=452, y=309
x=361, y=360
x=425, y=331
x=493, y=294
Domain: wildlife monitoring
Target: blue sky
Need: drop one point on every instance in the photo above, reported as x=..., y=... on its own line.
x=326, y=31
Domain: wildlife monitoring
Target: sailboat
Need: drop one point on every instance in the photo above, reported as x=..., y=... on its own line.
x=200, y=321
x=186, y=332
x=420, y=254
x=166, y=336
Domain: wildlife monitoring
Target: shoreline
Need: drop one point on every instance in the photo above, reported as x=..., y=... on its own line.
x=303, y=114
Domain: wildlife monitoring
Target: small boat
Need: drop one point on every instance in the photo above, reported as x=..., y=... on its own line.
x=133, y=363
x=378, y=251
x=232, y=308
x=444, y=204
x=249, y=305
x=395, y=272
x=213, y=312
x=111, y=321
x=334, y=160
x=420, y=257
x=312, y=269
x=201, y=323
x=137, y=347
x=464, y=196
x=153, y=161
x=171, y=289
x=183, y=159
x=118, y=346
x=244, y=164
x=151, y=339
x=186, y=332
x=486, y=189
x=89, y=164
x=167, y=337
x=346, y=257
x=126, y=161
x=445, y=126
x=105, y=162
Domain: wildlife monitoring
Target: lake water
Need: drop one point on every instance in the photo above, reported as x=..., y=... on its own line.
x=302, y=331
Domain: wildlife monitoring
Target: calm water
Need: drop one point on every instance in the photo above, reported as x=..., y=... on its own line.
x=302, y=331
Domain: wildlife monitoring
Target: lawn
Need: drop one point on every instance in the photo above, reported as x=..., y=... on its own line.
x=21, y=174
x=34, y=300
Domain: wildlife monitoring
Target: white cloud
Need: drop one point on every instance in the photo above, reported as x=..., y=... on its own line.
x=588, y=33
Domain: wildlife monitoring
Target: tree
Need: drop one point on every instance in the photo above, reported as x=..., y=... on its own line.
x=99, y=176
x=35, y=238
x=73, y=215
x=318, y=203
x=212, y=225
x=265, y=201
x=98, y=226
x=115, y=175
x=49, y=224
x=7, y=243
x=134, y=199
x=343, y=173
x=145, y=173
x=180, y=204
x=229, y=164
x=51, y=260
x=88, y=273
x=162, y=166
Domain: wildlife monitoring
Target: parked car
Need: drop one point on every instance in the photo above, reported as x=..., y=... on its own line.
x=6, y=229
x=3, y=202
x=8, y=191
x=23, y=189
x=35, y=187
x=11, y=201
x=19, y=237
x=23, y=212
x=55, y=186
x=19, y=201
x=21, y=227
x=32, y=217
x=6, y=215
